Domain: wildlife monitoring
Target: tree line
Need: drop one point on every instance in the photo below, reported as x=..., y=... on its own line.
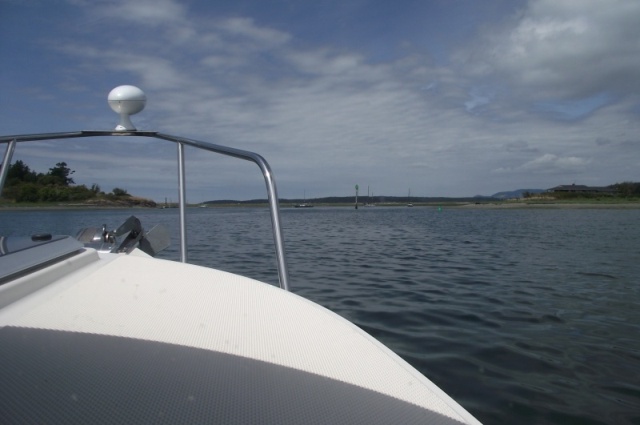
x=620, y=190
x=627, y=189
x=57, y=185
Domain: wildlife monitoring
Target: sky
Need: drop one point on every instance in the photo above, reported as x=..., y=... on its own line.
x=439, y=97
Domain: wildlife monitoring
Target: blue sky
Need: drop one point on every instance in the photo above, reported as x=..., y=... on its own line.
x=443, y=97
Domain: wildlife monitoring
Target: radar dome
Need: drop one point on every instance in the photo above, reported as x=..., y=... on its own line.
x=126, y=101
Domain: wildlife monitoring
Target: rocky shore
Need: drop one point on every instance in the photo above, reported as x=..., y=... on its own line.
x=124, y=202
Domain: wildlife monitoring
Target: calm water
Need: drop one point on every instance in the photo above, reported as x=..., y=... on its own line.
x=523, y=316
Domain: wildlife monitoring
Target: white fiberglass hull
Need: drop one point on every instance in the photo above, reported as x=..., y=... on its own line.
x=114, y=338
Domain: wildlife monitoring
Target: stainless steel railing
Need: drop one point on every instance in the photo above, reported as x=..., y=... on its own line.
x=181, y=142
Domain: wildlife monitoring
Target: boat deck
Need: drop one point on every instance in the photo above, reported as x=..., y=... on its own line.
x=128, y=338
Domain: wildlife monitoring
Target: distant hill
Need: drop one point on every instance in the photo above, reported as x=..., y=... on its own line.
x=515, y=193
x=361, y=200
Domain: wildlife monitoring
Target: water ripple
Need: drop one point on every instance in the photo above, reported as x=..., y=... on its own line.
x=523, y=316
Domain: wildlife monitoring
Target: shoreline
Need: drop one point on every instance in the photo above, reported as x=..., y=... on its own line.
x=552, y=205
x=69, y=207
x=483, y=205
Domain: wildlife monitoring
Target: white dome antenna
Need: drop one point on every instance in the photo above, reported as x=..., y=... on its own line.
x=126, y=101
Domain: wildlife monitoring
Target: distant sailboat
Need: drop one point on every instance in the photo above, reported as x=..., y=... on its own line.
x=369, y=203
x=304, y=202
x=409, y=204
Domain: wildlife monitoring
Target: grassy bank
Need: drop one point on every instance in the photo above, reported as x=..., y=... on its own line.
x=564, y=203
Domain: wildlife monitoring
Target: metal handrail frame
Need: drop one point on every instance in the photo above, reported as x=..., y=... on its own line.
x=181, y=142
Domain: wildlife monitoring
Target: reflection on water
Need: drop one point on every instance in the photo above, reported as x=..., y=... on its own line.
x=521, y=315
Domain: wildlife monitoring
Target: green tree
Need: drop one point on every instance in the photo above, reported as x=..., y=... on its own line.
x=119, y=192
x=60, y=174
x=25, y=185
x=24, y=192
x=627, y=189
x=19, y=172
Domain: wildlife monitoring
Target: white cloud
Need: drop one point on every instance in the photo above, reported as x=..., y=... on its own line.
x=565, y=49
x=547, y=164
x=141, y=12
x=328, y=117
x=551, y=162
x=324, y=61
x=246, y=27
